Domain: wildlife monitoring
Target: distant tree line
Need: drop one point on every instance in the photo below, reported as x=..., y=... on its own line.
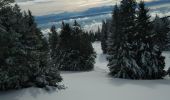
x=72, y=50
x=94, y=36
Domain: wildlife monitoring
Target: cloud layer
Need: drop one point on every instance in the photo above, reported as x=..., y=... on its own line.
x=45, y=7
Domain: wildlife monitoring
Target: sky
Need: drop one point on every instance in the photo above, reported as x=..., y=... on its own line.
x=48, y=12
x=45, y=7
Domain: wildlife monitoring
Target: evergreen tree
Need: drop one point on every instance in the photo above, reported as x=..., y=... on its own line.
x=133, y=54
x=148, y=53
x=87, y=52
x=25, y=53
x=167, y=48
x=53, y=41
x=168, y=72
x=10, y=50
x=75, y=49
x=114, y=35
x=91, y=36
x=65, y=36
x=4, y=3
x=122, y=63
x=98, y=35
x=161, y=29
x=104, y=36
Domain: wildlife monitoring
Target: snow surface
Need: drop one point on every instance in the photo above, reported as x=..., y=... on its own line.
x=167, y=60
x=97, y=85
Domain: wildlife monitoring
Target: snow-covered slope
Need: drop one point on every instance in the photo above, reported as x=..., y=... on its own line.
x=101, y=62
x=97, y=85
x=167, y=60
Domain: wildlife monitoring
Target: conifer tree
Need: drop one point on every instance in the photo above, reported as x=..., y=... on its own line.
x=104, y=36
x=113, y=35
x=161, y=29
x=4, y=3
x=168, y=72
x=122, y=63
x=9, y=72
x=91, y=36
x=75, y=49
x=167, y=47
x=149, y=54
x=25, y=52
x=53, y=41
x=133, y=53
x=98, y=34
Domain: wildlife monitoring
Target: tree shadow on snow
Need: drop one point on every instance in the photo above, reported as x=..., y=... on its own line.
x=75, y=72
x=27, y=92
x=102, y=58
x=143, y=83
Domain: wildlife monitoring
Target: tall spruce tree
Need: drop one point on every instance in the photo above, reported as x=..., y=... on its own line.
x=87, y=52
x=104, y=36
x=133, y=54
x=114, y=35
x=53, y=41
x=148, y=53
x=123, y=63
x=25, y=54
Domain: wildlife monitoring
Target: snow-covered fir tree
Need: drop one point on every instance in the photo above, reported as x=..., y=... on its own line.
x=24, y=52
x=75, y=49
x=133, y=54
x=148, y=53
x=161, y=29
x=113, y=38
x=4, y=3
x=122, y=62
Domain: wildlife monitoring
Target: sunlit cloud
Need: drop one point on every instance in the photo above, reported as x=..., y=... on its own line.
x=44, y=7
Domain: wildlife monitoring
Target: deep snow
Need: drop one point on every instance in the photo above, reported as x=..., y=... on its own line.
x=97, y=85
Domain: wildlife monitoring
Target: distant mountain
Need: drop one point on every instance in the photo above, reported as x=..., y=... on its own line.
x=73, y=15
